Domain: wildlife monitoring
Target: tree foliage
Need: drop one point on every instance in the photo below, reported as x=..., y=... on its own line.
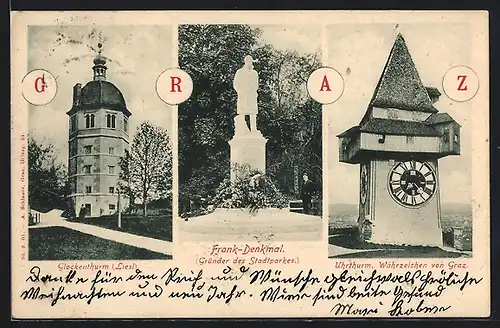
x=146, y=170
x=288, y=117
x=47, y=183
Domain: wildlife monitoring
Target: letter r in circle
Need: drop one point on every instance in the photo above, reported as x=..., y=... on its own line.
x=176, y=82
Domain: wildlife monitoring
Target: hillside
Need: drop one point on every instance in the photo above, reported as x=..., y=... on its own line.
x=452, y=215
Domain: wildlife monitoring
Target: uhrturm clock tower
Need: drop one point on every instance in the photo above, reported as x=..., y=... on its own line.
x=398, y=144
x=98, y=137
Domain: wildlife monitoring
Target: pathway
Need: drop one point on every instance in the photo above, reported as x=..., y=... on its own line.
x=154, y=245
x=271, y=225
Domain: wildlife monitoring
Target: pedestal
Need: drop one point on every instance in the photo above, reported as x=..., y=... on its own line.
x=248, y=149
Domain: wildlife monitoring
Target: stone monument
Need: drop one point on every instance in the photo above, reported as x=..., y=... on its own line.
x=248, y=146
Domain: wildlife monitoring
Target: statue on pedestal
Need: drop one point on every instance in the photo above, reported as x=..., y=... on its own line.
x=248, y=145
x=246, y=83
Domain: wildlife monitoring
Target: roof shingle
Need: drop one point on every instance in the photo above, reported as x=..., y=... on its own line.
x=398, y=127
x=439, y=118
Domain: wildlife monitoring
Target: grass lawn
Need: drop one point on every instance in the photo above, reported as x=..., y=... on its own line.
x=346, y=238
x=157, y=227
x=58, y=243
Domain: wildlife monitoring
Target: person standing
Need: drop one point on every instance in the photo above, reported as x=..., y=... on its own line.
x=83, y=212
x=306, y=194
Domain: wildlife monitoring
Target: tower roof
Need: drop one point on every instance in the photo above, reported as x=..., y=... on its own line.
x=99, y=59
x=396, y=127
x=439, y=118
x=399, y=85
x=98, y=93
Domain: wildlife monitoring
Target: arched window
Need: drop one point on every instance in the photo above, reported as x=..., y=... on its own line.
x=111, y=121
x=89, y=121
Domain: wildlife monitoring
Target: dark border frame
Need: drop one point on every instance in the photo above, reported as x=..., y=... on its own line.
x=27, y=5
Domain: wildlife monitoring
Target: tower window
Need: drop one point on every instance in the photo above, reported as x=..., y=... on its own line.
x=111, y=121
x=88, y=149
x=111, y=190
x=73, y=123
x=72, y=148
x=89, y=121
x=125, y=124
x=112, y=207
x=88, y=189
x=446, y=135
x=111, y=169
x=456, y=138
x=86, y=169
x=111, y=150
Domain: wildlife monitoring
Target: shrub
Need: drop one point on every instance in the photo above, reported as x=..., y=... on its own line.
x=250, y=189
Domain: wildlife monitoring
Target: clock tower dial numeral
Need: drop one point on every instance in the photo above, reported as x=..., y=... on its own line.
x=412, y=183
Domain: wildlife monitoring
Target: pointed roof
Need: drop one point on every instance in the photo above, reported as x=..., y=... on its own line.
x=400, y=85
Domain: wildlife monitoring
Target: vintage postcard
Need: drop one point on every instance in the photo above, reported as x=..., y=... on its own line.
x=329, y=164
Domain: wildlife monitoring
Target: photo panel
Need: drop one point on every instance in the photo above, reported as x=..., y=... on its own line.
x=250, y=136
x=99, y=154
x=401, y=177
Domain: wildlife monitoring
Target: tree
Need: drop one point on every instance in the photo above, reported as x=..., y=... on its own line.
x=47, y=183
x=146, y=170
x=288, y=117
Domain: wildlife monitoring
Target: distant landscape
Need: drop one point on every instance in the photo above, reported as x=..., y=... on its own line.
x=453, y=215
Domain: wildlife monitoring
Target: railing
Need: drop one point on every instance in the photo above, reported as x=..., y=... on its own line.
x=296, y=206
x=35, y=217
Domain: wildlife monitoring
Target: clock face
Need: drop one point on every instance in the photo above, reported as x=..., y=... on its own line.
x=363, y=184
x=412, y=183
x=392, y=113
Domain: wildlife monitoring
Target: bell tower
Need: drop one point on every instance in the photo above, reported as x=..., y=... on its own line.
x=397, y=144
x=98, y=136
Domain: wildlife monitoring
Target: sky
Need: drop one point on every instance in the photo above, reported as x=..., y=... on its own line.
x=302, y=38
x=136, y=57
x=359, y=52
